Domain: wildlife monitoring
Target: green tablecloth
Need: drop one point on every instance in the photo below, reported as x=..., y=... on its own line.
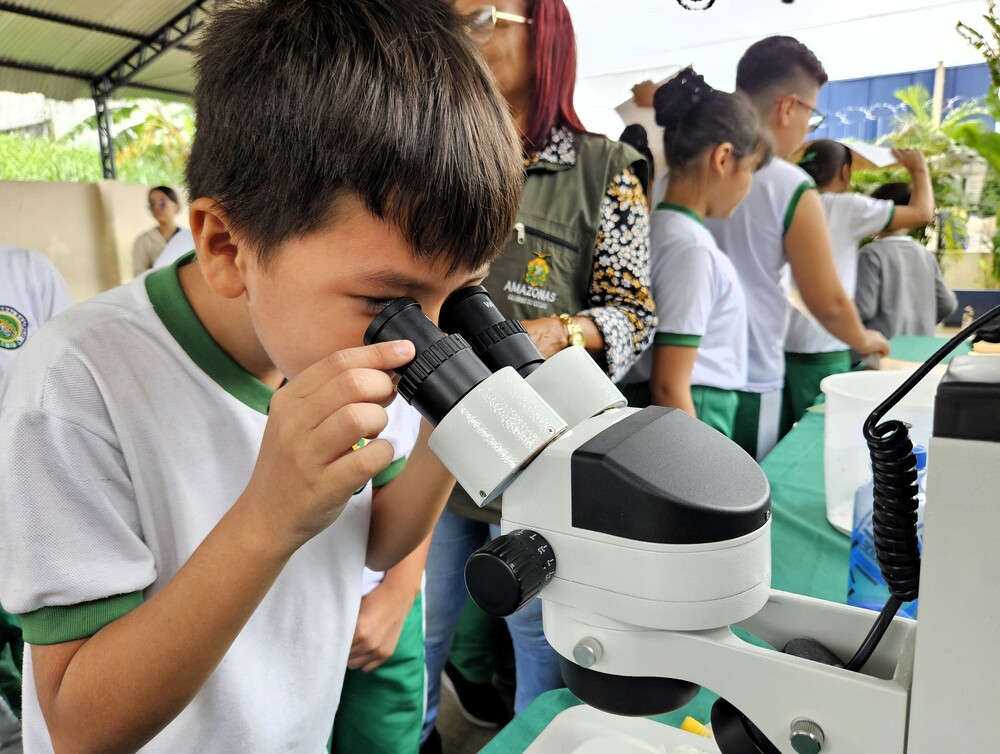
x=808, y=556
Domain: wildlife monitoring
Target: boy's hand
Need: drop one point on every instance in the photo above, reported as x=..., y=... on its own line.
x=380, y=622
x=307, y=470
x=911, y=159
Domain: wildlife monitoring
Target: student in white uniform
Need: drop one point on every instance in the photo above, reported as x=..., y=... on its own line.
x=811, y=353
x=186, y=507
x=781, y=223
x=31, y=292
x=714, y=143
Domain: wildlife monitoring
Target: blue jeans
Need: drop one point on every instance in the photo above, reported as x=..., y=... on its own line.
x=536, y=663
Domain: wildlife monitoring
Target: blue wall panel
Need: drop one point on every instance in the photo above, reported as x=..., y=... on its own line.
x=865, y=108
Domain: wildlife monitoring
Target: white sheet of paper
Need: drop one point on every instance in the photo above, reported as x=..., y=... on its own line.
x=879, y=157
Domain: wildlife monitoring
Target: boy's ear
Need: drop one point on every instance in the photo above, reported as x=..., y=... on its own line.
x=722, y=156
x=783, y=111
x=219, y=253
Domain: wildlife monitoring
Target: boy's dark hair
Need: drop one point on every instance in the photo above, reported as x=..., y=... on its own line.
x=823, y=159
x=776, y=66
x=898, y=193
x=695, y=118
x=301, y=104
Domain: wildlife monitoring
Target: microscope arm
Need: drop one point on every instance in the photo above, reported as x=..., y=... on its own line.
x=857, y=712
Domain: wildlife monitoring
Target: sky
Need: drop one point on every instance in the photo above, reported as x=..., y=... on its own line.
x=853, y=39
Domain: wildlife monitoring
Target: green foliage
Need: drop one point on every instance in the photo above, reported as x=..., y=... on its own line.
x=27, y=158
x=152, y=143
x=990, y=50
x=946, y=152
x=986, y=143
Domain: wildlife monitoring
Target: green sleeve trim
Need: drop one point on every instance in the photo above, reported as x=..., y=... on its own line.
x=672, y=339
x=54, y=625
x=892, y=216
x=390, y=473
x=793, y=204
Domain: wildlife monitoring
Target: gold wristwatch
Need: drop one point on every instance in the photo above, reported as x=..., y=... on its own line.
x=574, y=333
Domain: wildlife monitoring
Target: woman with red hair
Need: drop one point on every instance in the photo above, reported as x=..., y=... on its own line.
x=575, y=271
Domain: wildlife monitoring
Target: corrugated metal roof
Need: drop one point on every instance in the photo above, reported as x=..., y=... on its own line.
x=58, y=47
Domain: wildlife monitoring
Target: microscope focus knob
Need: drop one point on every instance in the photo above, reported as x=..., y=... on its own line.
x=506, y=573
x=806, y=736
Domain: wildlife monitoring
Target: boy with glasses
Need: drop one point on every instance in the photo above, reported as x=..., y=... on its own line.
x=189, y=504
x=780, y=227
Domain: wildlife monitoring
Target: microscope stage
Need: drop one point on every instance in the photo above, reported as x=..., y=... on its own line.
x=585, y=730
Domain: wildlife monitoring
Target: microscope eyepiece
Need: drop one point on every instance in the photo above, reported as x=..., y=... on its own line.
x=445, y=368
x=498, y=341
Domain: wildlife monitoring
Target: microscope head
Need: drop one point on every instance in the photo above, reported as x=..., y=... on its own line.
x=624, y=519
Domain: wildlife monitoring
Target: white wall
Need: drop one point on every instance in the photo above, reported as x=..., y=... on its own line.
x=86, y=229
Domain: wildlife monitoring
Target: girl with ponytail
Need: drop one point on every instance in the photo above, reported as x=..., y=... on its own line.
x=714, y=142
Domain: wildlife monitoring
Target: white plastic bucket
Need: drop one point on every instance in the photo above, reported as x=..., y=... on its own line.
x=850, y=398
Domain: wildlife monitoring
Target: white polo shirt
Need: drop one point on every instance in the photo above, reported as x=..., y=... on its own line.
x=754, y=239
x=698, y=298
x=850, y=217
x=31, y=293
x=128, y=433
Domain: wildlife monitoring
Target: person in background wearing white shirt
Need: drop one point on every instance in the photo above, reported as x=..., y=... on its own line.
x=714, y=143
x=781, y=224
x=811, y=353
x=31, y=292
x=182, y=243
x=164, y=206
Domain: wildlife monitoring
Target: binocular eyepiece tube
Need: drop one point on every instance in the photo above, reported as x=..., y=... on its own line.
x=489, y=423
x=445, y=368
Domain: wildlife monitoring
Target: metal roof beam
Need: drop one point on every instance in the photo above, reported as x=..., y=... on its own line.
x=46, y=69
x=77, y=23
x=167, y=37
x=83, y=76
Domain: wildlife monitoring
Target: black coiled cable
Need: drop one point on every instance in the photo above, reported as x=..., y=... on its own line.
x=894, y=521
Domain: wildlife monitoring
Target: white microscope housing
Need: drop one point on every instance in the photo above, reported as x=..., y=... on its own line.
x=647, y=536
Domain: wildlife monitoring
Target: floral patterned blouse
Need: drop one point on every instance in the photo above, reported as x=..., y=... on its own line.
x=620, y=303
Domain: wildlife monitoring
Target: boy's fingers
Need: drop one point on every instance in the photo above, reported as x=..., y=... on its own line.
x=338, y=433
x=355, y=469
x=381, y=356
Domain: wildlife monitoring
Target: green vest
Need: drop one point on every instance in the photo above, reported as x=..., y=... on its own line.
x=546, y=266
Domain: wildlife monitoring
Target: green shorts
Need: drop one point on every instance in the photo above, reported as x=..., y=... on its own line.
x=715, y=407
x=382, y=712
x=803, y=373
x=11, y=658
x=757, y=422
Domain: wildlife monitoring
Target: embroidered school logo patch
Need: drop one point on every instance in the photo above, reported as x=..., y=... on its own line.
x=538, y=270
x=13, y=328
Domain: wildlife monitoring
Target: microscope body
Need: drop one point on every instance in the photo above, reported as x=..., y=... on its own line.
x=647, y=536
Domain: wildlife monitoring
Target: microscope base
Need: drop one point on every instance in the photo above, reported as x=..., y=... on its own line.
x=585, y=730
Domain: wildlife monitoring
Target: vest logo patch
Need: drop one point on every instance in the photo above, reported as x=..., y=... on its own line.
x=538, y=270
x=13, y=328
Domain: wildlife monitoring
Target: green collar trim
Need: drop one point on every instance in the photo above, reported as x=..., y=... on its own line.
x=683, y=210
x=174, y=310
